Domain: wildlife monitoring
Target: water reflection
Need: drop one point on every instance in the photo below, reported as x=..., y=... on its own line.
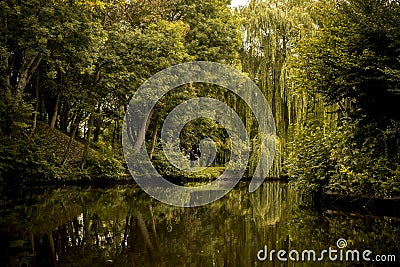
x=122, y=226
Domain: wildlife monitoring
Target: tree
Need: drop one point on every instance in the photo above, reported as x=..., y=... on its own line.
x=351, y=62
x=271, y=31
x=354, y=59
x=214, y=32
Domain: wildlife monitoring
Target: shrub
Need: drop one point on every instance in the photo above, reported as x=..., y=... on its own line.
x=105, y=166
x=24, y=160
x=308, y=160
x=354, y=158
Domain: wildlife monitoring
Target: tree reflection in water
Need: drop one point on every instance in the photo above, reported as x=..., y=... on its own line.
x=122, y=226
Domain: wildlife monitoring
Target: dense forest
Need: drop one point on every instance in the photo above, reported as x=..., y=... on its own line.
x=329, y=69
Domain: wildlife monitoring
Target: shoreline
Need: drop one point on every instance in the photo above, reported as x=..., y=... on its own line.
x=360, y=205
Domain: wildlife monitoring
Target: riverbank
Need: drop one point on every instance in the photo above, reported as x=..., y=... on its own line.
x=50, y=157
x=334, y=202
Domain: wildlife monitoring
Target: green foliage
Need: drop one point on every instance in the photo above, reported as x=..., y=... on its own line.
x=214, y=33
x=271, y=31
x=344, y=160
x=363, y=165
x=350, y=64
x=76, y=64
x=308, y=161
x=14, y=117
x=353, y=58
x=25, y=160
x=105, y=166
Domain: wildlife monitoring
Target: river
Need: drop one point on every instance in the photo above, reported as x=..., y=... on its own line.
x=122, y=226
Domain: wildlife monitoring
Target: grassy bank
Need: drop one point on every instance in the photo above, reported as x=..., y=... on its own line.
x=49, y=156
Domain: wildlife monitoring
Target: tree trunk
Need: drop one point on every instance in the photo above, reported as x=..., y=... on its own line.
x=97, y=125
x=27, y=70
x=142, y=132
x=64, y=121
x=55, y=113
x=35, y=112
x=154, y=138
x=7, y=72
x=97, y=130
x=114, y=133
x=88, y=141
x=7, y=79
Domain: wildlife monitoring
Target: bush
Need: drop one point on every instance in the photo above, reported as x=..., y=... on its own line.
x=308, y=162
x=24, y=160
x=14, y=117
x=105, y=166
x=366, y=164
x=355, y=158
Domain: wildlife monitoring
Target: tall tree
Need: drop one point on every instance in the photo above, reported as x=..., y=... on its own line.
x=271, y=30
x=354, y=58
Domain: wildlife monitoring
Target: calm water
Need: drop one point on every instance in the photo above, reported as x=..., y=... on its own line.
x=122, y=226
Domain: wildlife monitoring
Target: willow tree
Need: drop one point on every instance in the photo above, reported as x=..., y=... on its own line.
x=271, y=30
